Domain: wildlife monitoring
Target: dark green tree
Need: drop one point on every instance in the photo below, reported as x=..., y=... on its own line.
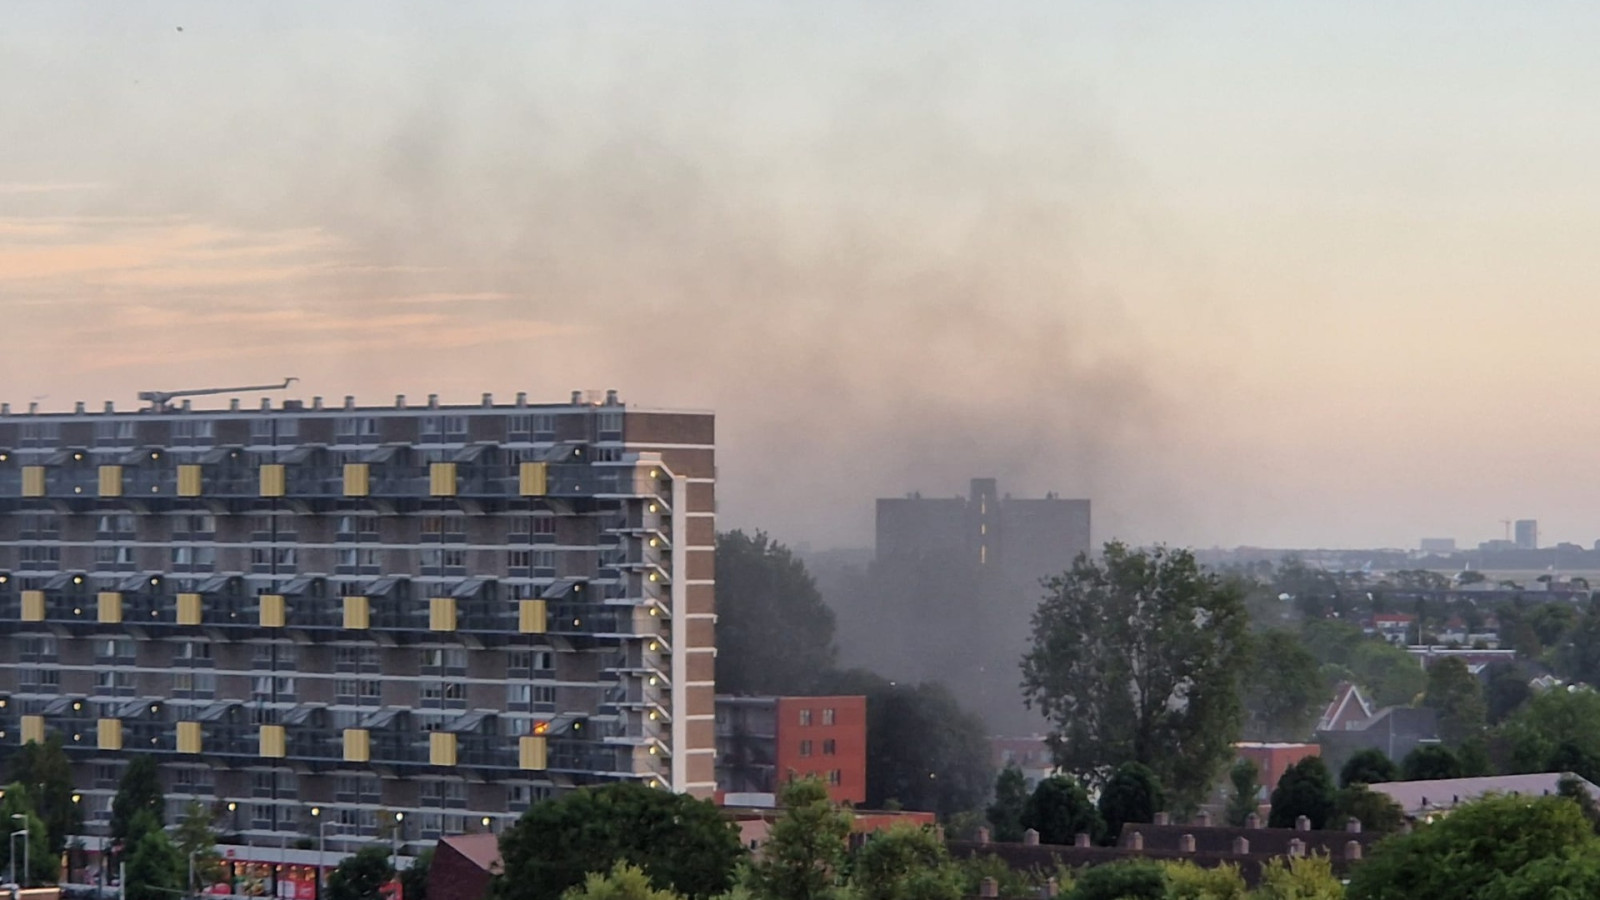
x=1010, y=797
x=1554, y=725
x=196, y=841
x=774, y=632
x=361, y=876
x=1430, y=763
x=1306, y=789
x=1132, y=794
x=1507, y=689
x=804, y=856
x=685, y=844
x=47, y=773
x=1375, y=811
x=1059, y=809
x=1136, y=657
x=414, y=880
x=1578, y=657
x=1572, y=788
x=1498, y=847
x=1283, y=690
x=905, y=862
x=1369, y=766
x=924, y=751
x=1126, y=880
x=1457, y=697
x=36, y=864
x=1244, y=798
x=155, y=868
x=139, y=791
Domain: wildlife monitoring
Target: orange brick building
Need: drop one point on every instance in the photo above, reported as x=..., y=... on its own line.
x=764, y=741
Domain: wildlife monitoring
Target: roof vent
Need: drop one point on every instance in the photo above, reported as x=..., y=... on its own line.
x=433, y=401
x=399, y=401
x=316, y=402
x=522, y=399
x=110, y=406
x=611, y=398
x=577, y=398
x=78, y=407
x=488, y=400
x=232, y=405
x=349, y=401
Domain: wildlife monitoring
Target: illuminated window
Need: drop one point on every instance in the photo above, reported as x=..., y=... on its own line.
x=827, y=716
x=805, y=717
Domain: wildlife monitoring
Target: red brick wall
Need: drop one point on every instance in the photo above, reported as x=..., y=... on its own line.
x=848, y=734
x=455, y=877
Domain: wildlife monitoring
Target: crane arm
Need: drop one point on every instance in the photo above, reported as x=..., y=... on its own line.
x=159, y=399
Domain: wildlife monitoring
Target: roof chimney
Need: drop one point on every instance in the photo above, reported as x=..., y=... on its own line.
x=110, y=406
x=33, y=407
x=233, y=405
x=488, y=400
x=522, y=399
x=78, y=407
x=1030, y=837
x=266, y=404
x=1352, y=825
x=1352, y=849
x=577, y=398
x=1136, y=841
x=611, y=398
x=349, y=401
x=399, y=401
x=1185, y=843
x=186, y=405
x=1241, y=846
x=1162, y=819
x=1081, y=839
x=1302, y=823
x=433, y=401
x=316, y=402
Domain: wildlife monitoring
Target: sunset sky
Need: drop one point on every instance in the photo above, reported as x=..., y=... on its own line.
x=1284, y=274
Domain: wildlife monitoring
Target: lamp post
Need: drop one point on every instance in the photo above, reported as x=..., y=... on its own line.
x=15, y=817
x=399, y=826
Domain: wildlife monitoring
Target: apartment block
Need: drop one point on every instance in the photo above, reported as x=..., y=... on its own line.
x=418, y=617
x=765, y=741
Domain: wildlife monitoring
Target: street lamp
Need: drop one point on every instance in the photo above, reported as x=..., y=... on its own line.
x=12, y=846
x=399, y=826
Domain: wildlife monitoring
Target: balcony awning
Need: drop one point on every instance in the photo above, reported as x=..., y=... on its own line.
x=558, y=453
x=301, y=454
x=383, y=587
x=62, y=457
x=136, y=582
x=382, y=718
x=59, y=581
x=468, y=589
x=467, y=724
x=136, y=709
x=213, y=584
x=297, y=587
x=560, y=590
x=60, y=705
x=300, y=715
x=135, y=457
x=470, y=453
x=215, y=712
x=219, y=454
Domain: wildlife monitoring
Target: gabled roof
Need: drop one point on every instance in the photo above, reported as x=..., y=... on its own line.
x=1419, y=797
x=1349, y=709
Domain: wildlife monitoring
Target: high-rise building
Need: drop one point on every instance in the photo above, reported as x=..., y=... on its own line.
x=329, y=620
x=1526, y=532
x=1020, y=539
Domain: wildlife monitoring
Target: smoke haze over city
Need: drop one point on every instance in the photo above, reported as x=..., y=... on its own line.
x=1287, y=275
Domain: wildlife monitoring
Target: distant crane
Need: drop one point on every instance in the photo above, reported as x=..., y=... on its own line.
x=1507, y=524
x=161, y=400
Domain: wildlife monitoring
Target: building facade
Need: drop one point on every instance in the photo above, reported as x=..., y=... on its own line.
x=336, y=622
x=765, y=741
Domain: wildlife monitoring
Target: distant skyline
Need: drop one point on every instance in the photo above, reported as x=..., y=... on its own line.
x=1299, y=275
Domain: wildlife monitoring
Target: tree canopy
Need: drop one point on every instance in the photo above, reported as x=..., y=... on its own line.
x=774, y=632
x=1132, y=794
x=36, y=864
x=362, y=875
x=47, y=773
x=139, y=791
x=1244, y=796
x=1283, y=690
x=1010, y=798
x=1306, y=789
x=1136, y=657
x=684, y=844
x=623, y=882
x=1430, y=763
x=1369, y=766
x=1457, y=698
x=905, y=862
x=1059, y=809
x=155, y=869
x=804, y=855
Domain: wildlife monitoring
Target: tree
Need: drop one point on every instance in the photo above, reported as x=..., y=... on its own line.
x=1369, y=766
x=196, y=841
x=1455, y=694
x=1126, y=880
x=1506, y=691
x=361, y=876
x=1136, y=657
x=684, y=844
x=1553, y=726
x=1059, y=809
x=1375, y=811
x=924, y=751
x=1571, y=787
x=1188, y=881
x=1245, y=798
x=155, y=870
x=1131, y=795
x=774, y=632
x=1283, y=688
x=1306, y=789
x=1010, y=796
x=906, y=862
x=47, y=773
x=1430, y=762
x=1482, y=849
x=1299, y=878
x=414, y=880
x=805, y=850
x=36, y=864
x=1391, y=675
x=139, y=791
x=623, y=882
x=1578, y=657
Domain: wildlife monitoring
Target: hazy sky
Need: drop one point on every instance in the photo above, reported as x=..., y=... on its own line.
x=1268, y=273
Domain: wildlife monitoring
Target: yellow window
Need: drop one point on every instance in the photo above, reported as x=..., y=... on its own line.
x=110, y=607
x=441, y=748
x=188, y=737
x=357, y=613
x=111, y=481
x=188, y=609
x=531, y=617
x=108, y=734
x=357, y=745
x=357, y=479
x=531, y=751
x=442, y=479
x=272, y=480
x=274, y=742
x=441, y=614
x=534, y=477
x=33, y=606
x=272, y=611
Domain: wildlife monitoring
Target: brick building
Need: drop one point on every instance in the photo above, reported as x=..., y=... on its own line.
x=763, y=741
x=319, y=617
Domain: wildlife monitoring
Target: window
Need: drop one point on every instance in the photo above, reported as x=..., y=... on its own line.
x=805, y=748
x=121, y=555
x=827, y=716
x=371, y=689
x=114, y=432
x=805, y=717
x=202, y=523
x=835, y=777
x=38, y=649
x=112, y=683
x=610, y=425
x=357, y=427
x=193, y=781
x=519, y=561
x=194, y=652
x=119, y=525
x=344, y=690
x=519, y=428
x=48, y=558
x=43, y=681
x=544, y=425
x=114, y=650
x=544, y=562
x=189, y=431
x=830, y=747
x=41, y=526
x=531, y=664
x=36, y=434
x=272, y=689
